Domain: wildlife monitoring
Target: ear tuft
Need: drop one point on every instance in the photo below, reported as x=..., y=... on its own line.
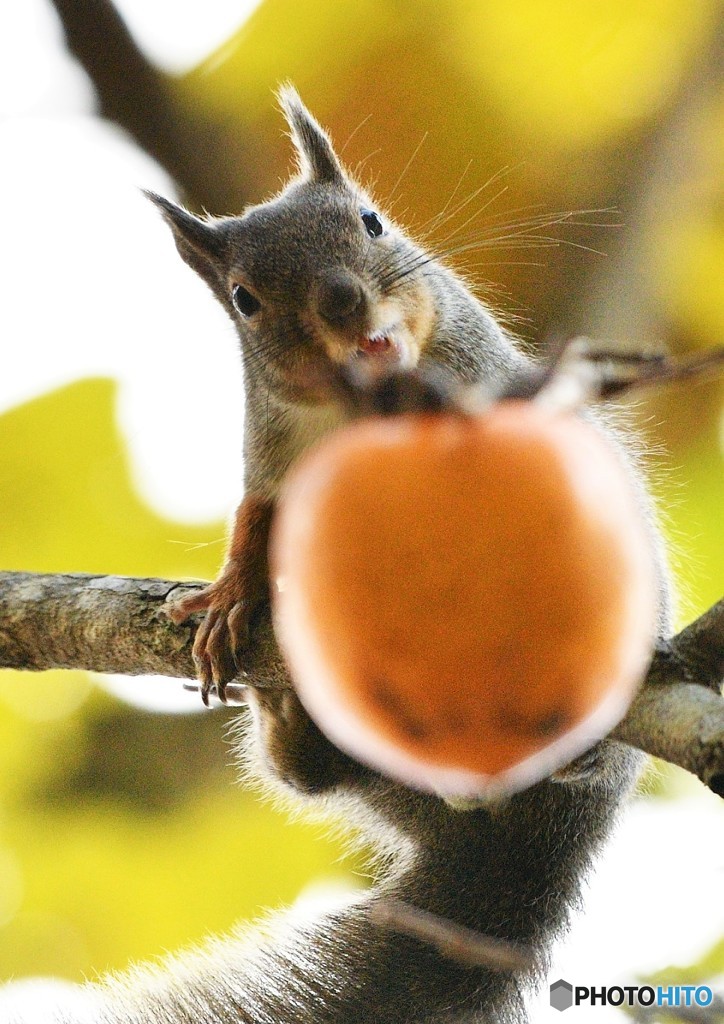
x=200, y=243
x=317, y=158
x=190, y=232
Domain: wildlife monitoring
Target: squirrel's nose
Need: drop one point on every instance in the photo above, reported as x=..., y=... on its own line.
x=340, y=297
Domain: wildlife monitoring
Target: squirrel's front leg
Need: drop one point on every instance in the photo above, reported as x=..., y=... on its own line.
x=231, y=600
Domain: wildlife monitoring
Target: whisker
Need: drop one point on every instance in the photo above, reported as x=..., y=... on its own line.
x=405, y=169
x=450, y=198
x=359, y=166
x=362, y=123
x=437, y=222
x=478, y=212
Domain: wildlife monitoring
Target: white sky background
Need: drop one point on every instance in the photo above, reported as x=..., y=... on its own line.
x=91, y=284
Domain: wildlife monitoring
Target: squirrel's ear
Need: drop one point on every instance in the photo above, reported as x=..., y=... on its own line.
x=200, y=243
x=316, y=155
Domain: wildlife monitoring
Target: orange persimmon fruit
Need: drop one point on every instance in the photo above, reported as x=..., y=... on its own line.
x=465, y=602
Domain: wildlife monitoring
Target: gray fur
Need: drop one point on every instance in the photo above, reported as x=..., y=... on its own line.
x=514, y=870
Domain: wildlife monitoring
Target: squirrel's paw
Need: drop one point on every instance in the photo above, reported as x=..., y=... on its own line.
x=222, y=639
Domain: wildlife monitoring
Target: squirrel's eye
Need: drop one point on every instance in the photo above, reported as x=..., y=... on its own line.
x=372, y=222
x=245, y=302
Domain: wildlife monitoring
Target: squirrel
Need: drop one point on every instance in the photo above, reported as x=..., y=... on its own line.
x=319, y=273
x=314, y=274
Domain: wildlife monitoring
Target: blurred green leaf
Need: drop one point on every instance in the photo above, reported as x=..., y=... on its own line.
x=68, y=505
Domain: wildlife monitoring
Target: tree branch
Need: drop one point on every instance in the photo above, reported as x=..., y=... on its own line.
x=682, y=723
x=200, y=153
x=119, y=624
x=109, y=624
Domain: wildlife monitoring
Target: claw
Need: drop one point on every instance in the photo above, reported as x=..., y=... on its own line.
x=203, y=672
x=223, y=667
x=238, y=625
x=201, y=657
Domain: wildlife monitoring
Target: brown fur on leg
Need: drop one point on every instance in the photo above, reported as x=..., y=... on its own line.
x=231, y=600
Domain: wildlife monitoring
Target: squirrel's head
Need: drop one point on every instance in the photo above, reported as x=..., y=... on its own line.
x=315, y=271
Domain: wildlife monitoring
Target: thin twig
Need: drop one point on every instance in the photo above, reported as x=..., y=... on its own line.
x=464, y=945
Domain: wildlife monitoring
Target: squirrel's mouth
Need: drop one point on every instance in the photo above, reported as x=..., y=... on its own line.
x=384, y=345
x=381, y=343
